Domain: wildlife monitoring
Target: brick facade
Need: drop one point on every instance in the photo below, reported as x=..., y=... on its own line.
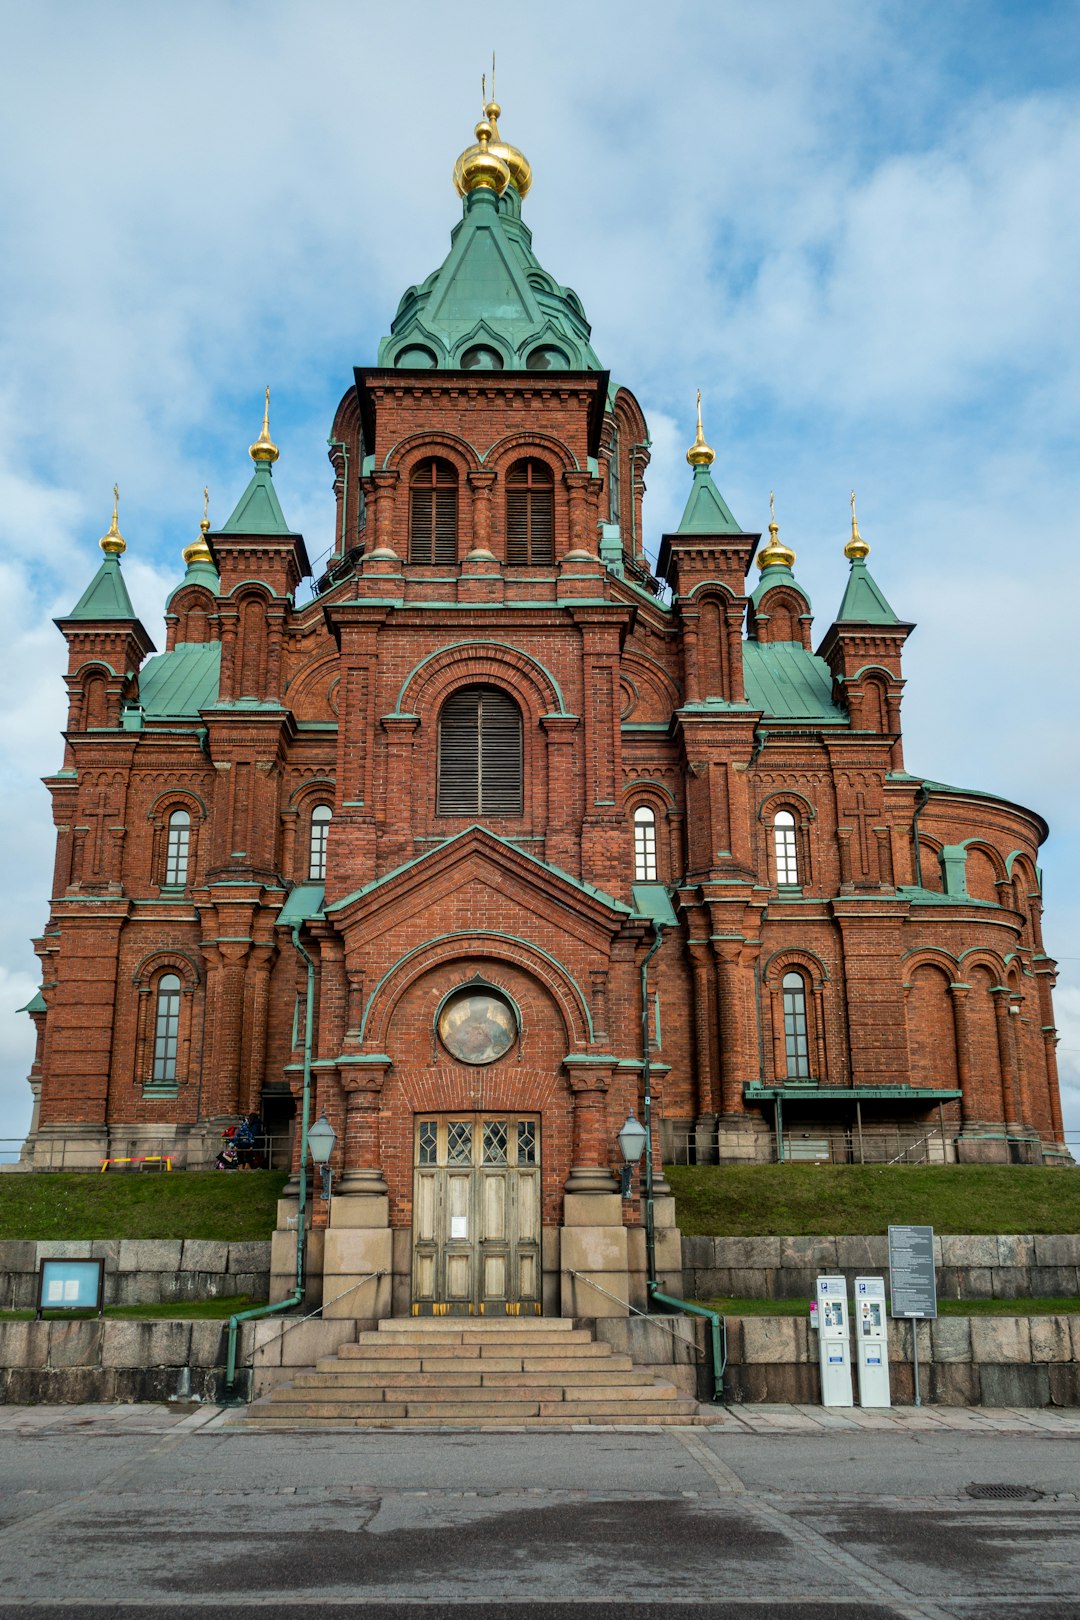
x=913, y=921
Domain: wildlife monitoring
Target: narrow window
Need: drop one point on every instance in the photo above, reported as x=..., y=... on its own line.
x=321, y=817
x=795, y=1042
x=787, y=860
x=480, y=770
x=644, y=844
x=614, y=479
x=176, y=849
x=530, y=513
x=433, y=513
x=166, y=1030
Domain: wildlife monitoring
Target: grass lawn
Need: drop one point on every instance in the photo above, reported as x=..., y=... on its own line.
x=806, y=1200
x=186, y=1204
x=946, y=1307
x=186, y=1310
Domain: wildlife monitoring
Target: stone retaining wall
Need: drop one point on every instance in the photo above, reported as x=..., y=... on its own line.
x=145, y=1271
x=1027, y=1267
x=963, y=1360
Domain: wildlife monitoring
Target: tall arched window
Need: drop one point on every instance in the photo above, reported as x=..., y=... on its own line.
x=614, y=471
x=321, y=817
x=785, y=848
x=177, y=849
x=796, y=1042
x=166, y=1030
x=530, y=513
x=480, y=770
x=433, y=512
x=645, y=844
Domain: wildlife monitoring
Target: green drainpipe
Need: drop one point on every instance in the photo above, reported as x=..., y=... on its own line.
x=297, y=1295
x=717, y=1328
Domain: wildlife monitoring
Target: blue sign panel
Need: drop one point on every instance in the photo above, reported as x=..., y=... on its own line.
x=71, y=1285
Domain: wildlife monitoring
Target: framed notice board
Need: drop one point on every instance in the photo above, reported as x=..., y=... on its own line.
x=71, y=1285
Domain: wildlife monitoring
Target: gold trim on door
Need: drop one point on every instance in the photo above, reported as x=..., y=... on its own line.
x=476, y=1215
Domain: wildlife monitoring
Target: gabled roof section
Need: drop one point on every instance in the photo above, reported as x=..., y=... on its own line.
x=706, y=511
x=864, y=601
x=106, y=597
x=789, y=683
x=258, y=511
x=548, y=879
x=176, y=685
x=491, y=289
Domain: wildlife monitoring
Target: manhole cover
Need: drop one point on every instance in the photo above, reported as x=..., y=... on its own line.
x=1005, y=1493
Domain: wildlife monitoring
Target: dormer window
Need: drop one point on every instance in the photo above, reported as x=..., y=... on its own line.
x=481, y=358
x=433, y=512
x=530, y=513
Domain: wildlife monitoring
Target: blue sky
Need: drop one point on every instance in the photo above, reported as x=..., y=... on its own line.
x=854, y=226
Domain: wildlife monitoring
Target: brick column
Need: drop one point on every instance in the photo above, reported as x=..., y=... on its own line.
x=362, y=1079
x=590, y=1172
x=960, y=993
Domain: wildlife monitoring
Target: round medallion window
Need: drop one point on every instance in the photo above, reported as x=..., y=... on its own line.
x=477, y=1026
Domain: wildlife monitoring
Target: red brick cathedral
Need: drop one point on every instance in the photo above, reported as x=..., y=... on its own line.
x=419, y=834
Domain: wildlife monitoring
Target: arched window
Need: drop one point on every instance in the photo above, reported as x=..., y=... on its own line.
x=785, y=848
x=166, y=1030
x=644, y=844
x=433, y=512
x=480, y=770
x=321, y=817
x=177, y=848
x=613, y=474
x=796, y=1043
x=530, y=513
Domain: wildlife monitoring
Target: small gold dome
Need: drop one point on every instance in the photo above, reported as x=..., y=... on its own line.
x=264, y=448
x=856, y=549
x=515, y=160
x=479, y=168
x=113, y=544
x=700, y=454
x=199, y=551
x=774, y=554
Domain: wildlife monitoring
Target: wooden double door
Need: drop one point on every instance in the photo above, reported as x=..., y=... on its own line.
x=476, y=1215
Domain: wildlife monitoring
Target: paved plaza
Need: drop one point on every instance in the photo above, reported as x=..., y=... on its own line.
x=783, y=1511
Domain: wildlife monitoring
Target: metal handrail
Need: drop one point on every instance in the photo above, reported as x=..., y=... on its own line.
x=261, y=1313
x=297, y=1321
x=635, y=1310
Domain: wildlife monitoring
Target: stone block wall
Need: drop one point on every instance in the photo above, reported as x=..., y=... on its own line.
x=142, y=1271
x=1005, y=1267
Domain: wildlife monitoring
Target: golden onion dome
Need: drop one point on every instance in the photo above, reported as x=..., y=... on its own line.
x=113, y=544
x=700, y=454
x=478, y=167
x=264, y=448
x=515, y=160
x=856, y=549
x=775, y=555
x=199, y=551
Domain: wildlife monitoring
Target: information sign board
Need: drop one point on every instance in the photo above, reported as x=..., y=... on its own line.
x=71, y=1285
x=912, y=1275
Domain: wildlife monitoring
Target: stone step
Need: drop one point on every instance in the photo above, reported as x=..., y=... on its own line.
x=346, y=1377
x=370, y=1367
x=285, y=1419
x=392, y=1325
x=451, y=1337
x=495, y=1398
x=371, y=1344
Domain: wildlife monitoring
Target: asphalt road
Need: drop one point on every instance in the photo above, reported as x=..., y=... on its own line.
x=548, y=1526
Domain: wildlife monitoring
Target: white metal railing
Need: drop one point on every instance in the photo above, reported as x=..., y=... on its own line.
x=872, y=1145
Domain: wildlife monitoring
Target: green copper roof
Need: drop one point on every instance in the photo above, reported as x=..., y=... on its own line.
x=788, y=682
x=258, y=511
x=490, y=292
x=36, y=1004
x=706, y=511
x=653, y=901
x=863, y=601
x=197, y=573
x=303, y=904
x=777, y=575
x=106, y=596
x=177, y=684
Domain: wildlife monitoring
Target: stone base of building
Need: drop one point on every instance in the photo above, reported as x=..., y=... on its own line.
x=84, y=1147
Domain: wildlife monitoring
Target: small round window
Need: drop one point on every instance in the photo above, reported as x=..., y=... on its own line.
x=416, y=358
x=477, y=1025
x=481, y=358
x=547, y=358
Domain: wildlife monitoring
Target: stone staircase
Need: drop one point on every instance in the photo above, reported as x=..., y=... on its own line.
x=467, y=1372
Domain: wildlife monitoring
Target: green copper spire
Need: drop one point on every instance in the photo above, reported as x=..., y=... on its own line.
x=258, y=511
x=106, y=596
x=706, y=511
x=864, y=601
x=490, y=305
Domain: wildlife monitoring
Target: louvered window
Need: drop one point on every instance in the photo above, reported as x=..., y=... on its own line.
x=480, y=754
x=433, y=513
x=530, y=513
